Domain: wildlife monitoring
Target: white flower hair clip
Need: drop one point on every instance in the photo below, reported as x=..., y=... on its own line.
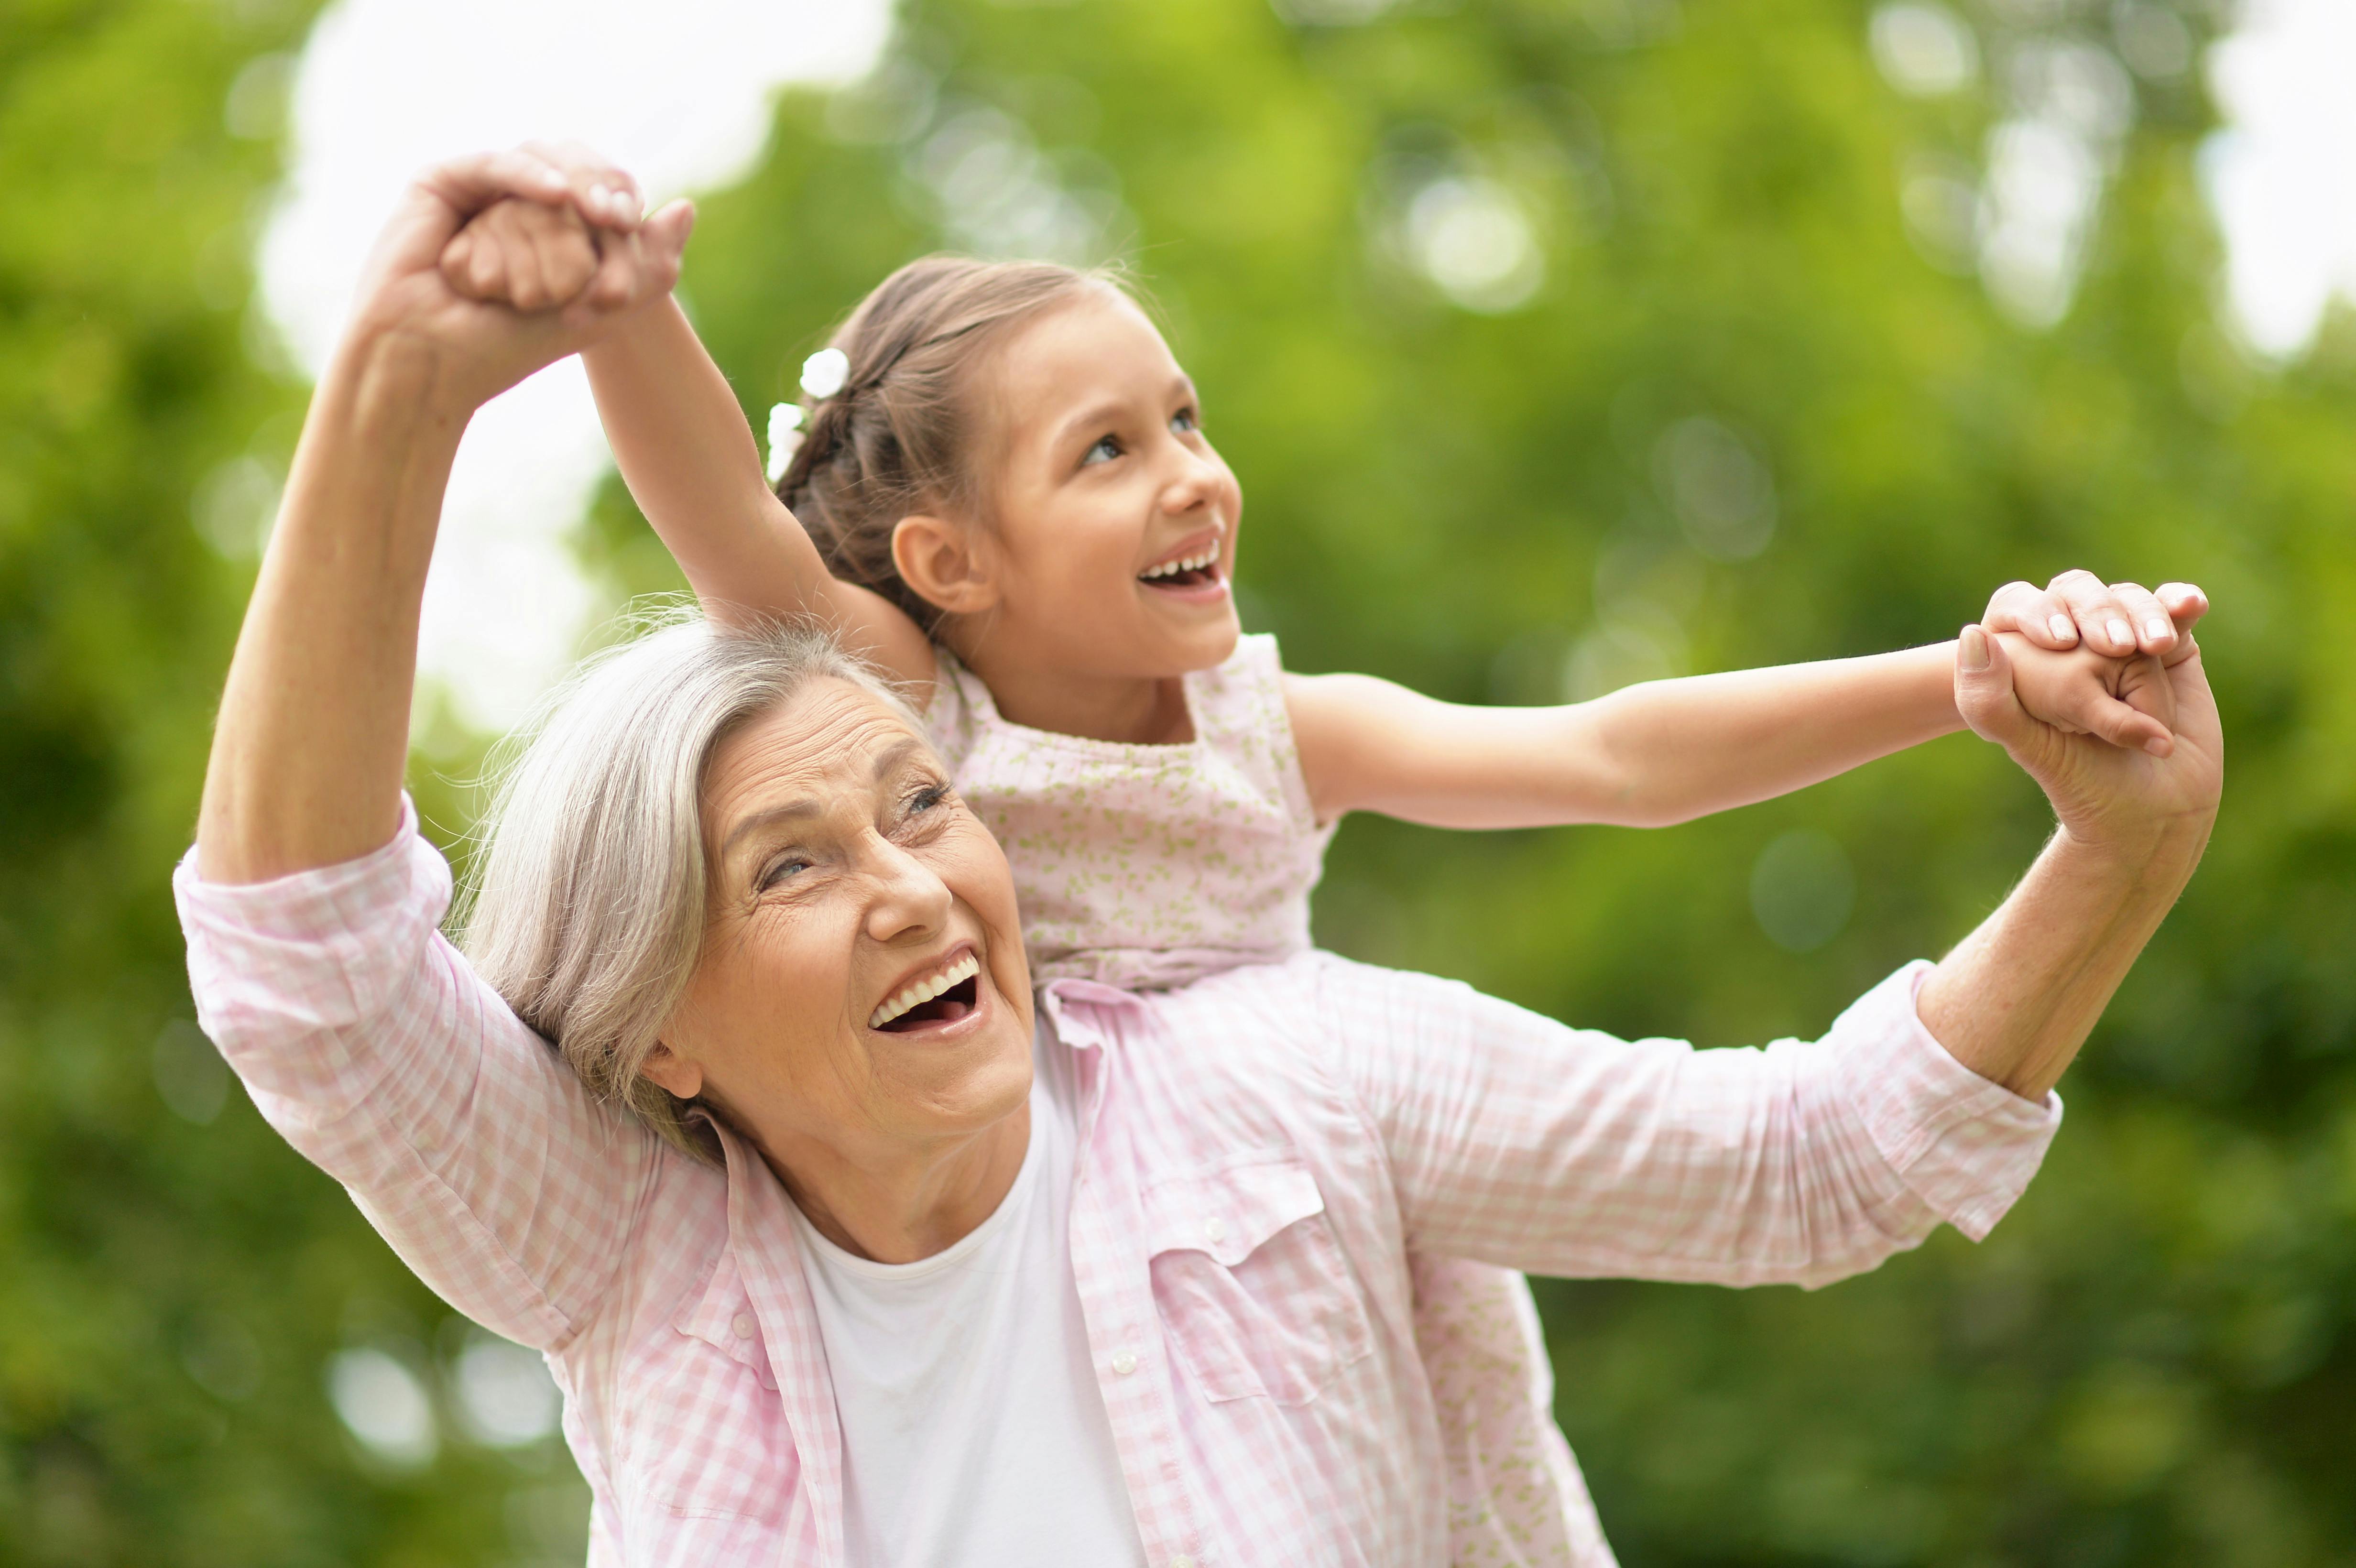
x=823, y=375
x=784, y=438
x=824, y=372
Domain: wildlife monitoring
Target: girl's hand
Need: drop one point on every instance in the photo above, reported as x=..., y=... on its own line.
x=2078, y=608
x=528, y=254
x=481, y=349
x=540, y=254
x=2136, y=799
x=2126, y=701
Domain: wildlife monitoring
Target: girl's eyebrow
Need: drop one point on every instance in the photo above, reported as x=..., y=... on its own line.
x=1104, y=409
x=1089, y=415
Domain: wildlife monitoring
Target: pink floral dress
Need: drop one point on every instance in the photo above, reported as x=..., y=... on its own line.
x=1149, y=867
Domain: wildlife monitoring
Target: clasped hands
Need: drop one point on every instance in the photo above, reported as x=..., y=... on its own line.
x=2096, y=689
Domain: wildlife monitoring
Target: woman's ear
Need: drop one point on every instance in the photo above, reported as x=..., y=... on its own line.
x=672, y=1072
x=945, y=563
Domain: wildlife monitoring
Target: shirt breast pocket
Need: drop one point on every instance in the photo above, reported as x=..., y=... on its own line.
x=1255, y=1295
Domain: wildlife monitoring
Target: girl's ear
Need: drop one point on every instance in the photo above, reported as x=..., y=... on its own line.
x=672, y=1072
x=945, y=563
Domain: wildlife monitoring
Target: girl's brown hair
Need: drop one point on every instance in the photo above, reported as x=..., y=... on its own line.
x=900, y=436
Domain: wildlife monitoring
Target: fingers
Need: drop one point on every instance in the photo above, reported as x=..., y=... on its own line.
x=2107, y=625
x=568, y=259
x=2143, y=686
x=472, y=268
x=2185, y=604
x=474, y=182
x=1983, y=693
x=2040, y=616
x=2155, y=629
x=604, y=191
x=565, y=253
x=636, y=267
x=2184, y=601
x=2124, y=726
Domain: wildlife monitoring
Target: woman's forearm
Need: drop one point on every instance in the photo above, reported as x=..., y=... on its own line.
x=692, y=466
x=314, y=725
x=2017, y=997
x=1682, y=748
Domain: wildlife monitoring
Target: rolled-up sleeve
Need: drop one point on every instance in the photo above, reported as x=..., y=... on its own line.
x=1517, y=1140
x=369, y=1043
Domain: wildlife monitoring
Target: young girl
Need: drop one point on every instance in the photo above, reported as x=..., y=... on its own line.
x=1004, y=496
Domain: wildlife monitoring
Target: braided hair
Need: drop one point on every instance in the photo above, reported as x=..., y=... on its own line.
x=899, y=436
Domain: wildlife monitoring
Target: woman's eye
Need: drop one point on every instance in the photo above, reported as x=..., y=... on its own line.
x=1104, y=450
x=927, y=798
x=1184, y=422
x=782, y=870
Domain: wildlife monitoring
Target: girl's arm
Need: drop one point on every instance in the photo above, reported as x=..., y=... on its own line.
x=692, y=466
x=1669, y=751
x=680, y=439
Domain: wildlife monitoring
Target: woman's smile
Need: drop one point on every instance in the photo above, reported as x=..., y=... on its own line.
x=937, y=998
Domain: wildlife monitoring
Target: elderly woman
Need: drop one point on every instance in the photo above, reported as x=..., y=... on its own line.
x=737, y=1102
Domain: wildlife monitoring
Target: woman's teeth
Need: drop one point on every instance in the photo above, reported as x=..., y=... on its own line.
x=1190, y=563
x=923, y=991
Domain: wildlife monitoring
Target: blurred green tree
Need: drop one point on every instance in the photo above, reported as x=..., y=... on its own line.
x=172, y=1284
x=1556, y=345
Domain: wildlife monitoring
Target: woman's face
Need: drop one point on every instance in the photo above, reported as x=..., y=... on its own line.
x=863, y=998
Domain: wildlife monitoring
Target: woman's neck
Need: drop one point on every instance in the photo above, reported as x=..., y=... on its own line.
x=906, y=1209
x=1134, y=709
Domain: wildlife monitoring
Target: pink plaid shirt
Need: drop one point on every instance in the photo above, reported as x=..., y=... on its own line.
x=1258, y=1153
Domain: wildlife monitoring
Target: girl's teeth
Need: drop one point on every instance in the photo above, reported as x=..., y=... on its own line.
x=1192, y=563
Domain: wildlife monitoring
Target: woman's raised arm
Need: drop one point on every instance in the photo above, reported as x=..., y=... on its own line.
x=314, y=725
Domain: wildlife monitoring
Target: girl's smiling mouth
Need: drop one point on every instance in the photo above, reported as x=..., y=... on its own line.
x=1190, y=571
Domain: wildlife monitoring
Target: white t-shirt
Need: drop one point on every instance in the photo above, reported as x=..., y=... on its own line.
x=973, y=1432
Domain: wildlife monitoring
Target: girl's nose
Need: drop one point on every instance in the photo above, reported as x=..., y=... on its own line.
x=1195, y=478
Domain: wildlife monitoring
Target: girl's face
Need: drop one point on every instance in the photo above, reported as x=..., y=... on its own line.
x=1113, y=537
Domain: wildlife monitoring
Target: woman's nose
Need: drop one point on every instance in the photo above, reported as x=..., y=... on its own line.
x=909, y=899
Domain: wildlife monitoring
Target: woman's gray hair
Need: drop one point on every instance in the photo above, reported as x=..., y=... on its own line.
x=586, y=902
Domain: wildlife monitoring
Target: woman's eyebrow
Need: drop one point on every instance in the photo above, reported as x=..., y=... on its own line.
x=893, y=755
x=887, y=760
x=792, y=811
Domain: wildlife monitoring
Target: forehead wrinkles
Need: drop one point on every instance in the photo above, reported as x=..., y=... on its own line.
x=819, y=748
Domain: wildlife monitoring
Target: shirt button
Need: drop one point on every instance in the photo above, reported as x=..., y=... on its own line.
x=1123, y=1363
x=1182, y=1560
x=1214, y=1231
x=744, y=1325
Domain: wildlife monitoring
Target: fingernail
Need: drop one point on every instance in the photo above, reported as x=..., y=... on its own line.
x=1974, y=650
x=2156, y=628
x=2064, y=630
x=2160, y=745
x=2120, y=632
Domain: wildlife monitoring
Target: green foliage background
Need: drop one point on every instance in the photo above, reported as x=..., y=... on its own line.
x=2150, y=1362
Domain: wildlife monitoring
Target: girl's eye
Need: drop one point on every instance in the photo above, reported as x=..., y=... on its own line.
x=1184, y=422
x=1104, y=450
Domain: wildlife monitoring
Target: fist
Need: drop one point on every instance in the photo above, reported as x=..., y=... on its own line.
x=529, y=255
